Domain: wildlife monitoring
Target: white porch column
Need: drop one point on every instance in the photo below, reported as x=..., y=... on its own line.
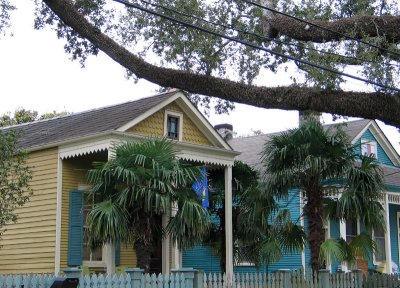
x=165, y=246
x=228, y=221
x=387, y=237
x=342, y=230
x=176, y=254
x=110, y=257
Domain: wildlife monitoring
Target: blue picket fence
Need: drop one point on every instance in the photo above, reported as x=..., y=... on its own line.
x=196, y=279
x=96, y=281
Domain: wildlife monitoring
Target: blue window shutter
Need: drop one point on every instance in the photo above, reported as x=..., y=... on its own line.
x=75, y=233
x=117, y=253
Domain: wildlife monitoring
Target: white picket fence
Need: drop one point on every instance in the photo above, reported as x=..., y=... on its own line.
x=196, y=279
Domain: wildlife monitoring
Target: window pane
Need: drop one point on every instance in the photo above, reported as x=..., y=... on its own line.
x=380, y=254
x=351, y=230
x=173, y=127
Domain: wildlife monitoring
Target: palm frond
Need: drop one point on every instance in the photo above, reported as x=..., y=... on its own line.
x=108, y=222
x=331, y=251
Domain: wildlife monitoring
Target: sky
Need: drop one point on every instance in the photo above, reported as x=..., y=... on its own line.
x=36, y=74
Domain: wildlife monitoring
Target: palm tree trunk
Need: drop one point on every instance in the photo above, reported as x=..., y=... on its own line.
x=314, y=213
x=143, y=242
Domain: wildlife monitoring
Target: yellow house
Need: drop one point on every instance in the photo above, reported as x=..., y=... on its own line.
x=60, y=152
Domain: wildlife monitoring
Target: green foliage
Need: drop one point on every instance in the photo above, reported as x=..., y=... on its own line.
x=323, y=163
x=262, y=230
x=15, y=175
x=22, y=115
x=140, y=183
x=5, y=9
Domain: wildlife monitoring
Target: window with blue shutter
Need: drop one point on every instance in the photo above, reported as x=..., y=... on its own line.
x=75, y=232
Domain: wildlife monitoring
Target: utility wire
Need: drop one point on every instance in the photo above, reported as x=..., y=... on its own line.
x=186, y=24
x=262, y=37
x=320, y=27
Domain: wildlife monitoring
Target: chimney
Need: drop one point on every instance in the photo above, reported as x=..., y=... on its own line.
x=225, y=130
x=304, y=114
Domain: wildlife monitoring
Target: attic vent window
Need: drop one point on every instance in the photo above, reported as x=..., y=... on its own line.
x=369, y=147
x=173, y=124
x=173, y=127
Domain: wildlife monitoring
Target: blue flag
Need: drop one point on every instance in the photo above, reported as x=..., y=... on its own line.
x=201, y=188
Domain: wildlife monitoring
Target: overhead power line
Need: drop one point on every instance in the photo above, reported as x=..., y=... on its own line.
x=321, y=27
x=305, y=62
x=262, y=37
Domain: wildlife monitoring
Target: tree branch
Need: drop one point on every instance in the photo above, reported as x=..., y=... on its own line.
x=357, y=104
x=359, y=26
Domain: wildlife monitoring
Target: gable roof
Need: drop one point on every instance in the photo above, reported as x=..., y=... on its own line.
x=251, y=147
x=98, y=121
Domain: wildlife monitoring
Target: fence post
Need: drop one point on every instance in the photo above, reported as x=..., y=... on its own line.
x=358, y=277
x=73, y=273
x=323, y=275
x=286, y=278
x=188, y=273
x=136, y=276
x=198, y=279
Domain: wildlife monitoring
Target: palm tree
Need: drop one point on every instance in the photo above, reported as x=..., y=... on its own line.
x=256, y=239
x=321, y=162
x=140, y=183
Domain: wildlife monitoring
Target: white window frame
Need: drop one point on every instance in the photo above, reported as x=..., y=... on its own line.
x=178, y=115
x=384, y=238
x=374, y=147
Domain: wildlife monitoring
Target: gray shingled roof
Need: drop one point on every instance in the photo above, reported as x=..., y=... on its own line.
x=252, y=146
x=85, y=123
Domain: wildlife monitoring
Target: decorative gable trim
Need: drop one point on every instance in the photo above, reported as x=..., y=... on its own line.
x=149, y=112
x=86, y=147
x=192, y=112
x=192, y=152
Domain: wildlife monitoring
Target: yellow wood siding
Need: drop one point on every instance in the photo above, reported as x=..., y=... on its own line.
x=28, y=246
x=128, y=256
x=74, y=173
x=153, y=126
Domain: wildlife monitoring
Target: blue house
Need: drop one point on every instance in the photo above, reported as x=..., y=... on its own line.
x=369, y=138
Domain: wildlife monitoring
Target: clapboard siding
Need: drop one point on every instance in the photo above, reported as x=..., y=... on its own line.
x=73, y=174
x=202, y=257
x=382, y=156
x=32, y=238
x=394, y=240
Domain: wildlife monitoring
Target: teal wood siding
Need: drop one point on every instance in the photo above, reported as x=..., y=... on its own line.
x=202, y=257
x=393, y=209
x=334, y=228
x=290, y=261
x=382, y=156
x=75, y=233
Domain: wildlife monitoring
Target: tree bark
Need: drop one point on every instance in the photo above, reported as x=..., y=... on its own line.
x=362, y=26
x=143, y=241
x=356, y=104
x=314, y=214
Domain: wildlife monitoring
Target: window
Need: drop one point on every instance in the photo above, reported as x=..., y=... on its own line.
x=173, y=124
x=351, y=230
x=379, y=238
x=368, y=147
x=89, y=255
x=173, y=127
